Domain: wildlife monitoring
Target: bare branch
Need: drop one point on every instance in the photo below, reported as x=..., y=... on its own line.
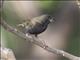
x=7, y=54
x=36, y=41
x=78, y=3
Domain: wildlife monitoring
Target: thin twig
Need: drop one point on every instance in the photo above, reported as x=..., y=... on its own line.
x=36, y=41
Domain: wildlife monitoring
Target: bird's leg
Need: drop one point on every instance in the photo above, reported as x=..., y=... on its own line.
x=36, y=35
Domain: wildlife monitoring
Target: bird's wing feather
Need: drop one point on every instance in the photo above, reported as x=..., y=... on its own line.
x=38, y=19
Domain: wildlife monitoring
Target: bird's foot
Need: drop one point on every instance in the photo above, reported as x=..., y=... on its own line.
x=42, y=41
x=28, y=35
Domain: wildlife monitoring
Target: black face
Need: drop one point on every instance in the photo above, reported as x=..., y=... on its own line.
x=51, y=19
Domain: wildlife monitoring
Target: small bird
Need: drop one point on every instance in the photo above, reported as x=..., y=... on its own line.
x=36, y=25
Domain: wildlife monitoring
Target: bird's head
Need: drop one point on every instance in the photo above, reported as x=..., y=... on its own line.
x=51, y=19
x=46, y=18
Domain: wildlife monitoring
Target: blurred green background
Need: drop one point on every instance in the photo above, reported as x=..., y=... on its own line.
x=66, y=28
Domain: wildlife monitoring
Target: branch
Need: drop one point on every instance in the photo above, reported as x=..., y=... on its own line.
x=36, y=41
x=7, y=54
x=78, y=3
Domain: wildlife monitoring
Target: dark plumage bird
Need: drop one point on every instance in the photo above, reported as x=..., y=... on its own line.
x=36, y=25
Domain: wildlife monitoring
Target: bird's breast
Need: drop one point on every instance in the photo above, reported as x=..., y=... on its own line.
x=37, y=29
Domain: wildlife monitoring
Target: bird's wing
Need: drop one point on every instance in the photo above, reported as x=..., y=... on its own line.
x=35, y=20
x=38, y=19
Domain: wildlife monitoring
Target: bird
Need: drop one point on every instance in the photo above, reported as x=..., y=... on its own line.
x=36, y=25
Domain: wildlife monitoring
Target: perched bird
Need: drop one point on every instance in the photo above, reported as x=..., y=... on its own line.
x=36, y=25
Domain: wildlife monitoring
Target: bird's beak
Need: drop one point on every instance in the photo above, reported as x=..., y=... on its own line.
x=52, y=20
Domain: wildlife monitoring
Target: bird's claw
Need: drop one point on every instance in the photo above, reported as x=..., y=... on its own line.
x=28, y=35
